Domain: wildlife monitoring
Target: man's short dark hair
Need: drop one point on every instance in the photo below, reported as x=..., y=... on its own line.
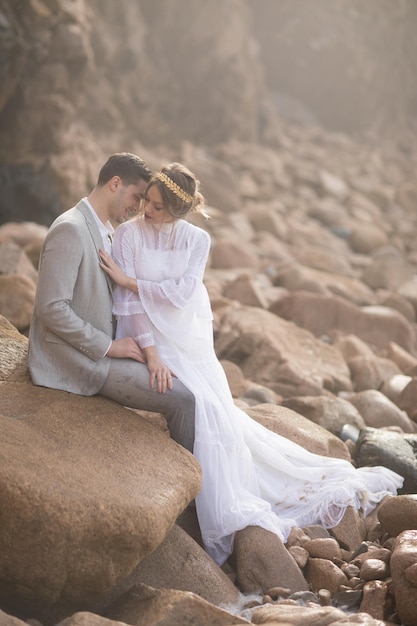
x=129, y=167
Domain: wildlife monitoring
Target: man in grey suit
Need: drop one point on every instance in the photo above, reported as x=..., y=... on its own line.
x=71, y=345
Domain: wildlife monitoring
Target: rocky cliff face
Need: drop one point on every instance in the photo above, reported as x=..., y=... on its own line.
x=346, y=65
x=80, y=80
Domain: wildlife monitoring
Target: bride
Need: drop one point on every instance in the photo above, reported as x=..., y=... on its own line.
x=250, y=475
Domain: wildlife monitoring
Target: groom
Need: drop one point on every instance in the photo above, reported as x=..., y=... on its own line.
x=71, y=345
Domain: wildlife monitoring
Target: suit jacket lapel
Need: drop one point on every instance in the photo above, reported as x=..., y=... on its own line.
x=95, y=234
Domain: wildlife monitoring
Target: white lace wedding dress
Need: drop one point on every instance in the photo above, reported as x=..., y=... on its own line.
x=251, y=476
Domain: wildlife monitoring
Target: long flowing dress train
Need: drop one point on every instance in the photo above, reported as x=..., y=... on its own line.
x=251, y=476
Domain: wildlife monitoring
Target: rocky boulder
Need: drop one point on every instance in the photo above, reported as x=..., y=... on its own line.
x=178, y=563
x=299, y=428
x=398, y=513
x=376, y=325
x=144, y=605
x=89, y=489
x=278, y=354
x=404, y=576
x=391, y=449
x=13, y=351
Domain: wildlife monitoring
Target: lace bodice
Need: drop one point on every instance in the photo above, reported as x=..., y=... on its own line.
x=168, y=263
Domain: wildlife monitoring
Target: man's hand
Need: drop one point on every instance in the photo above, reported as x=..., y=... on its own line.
x=126, y=348
x=159, y=372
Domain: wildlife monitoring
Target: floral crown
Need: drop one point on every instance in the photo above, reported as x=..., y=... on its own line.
x=183, y=195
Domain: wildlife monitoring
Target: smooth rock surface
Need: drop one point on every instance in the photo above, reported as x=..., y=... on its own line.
x=88, y=495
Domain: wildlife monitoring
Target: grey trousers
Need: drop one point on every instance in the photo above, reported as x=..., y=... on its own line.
x=128, y=384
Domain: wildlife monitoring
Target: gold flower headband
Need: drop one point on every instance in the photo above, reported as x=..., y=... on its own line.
x=183, y=195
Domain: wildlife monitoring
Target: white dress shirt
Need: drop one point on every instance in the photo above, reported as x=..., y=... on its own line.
x=106, y=230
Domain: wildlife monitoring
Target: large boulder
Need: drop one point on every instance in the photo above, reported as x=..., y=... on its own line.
x=9, y=620
x=13, y=351
x=262, y=562
x=378, y=411
x=278, y=354
x=301, y=430
x=144, y=605
x=404, y=576
x=378, y=446
x=320, y=314
x=398, y=513
x=332, y=413
x=298, y=277
x=17, y=297
x=88, y=489
x=178, y=563
x=14, y=260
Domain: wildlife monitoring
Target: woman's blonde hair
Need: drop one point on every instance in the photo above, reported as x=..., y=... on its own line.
x=180, y=190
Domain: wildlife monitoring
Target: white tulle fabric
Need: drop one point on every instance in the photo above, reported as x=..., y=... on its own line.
x=251, y=476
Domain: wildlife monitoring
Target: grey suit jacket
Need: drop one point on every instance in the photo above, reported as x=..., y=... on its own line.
x=71, y=327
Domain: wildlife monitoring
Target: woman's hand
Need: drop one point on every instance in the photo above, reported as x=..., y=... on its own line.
x=126, y=348
x=159, y=372
x=116, y=274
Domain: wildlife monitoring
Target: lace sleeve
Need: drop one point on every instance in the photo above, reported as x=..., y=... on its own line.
x=187, y=291
x=132, y=319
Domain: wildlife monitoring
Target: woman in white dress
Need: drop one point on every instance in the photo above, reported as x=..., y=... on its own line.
x=251, y=476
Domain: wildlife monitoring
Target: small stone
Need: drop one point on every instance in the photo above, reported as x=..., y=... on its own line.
x=278, y=592
x=300, y=555
x=361, y=549
x=374, y=599
x=305, y=597
x=316, y=531
x=351, y=570
x=322, y=573
x=266, y=599
x=324, y=548
x=289, y=601
x=374, y=569
x=346, y=555
x=348, y=599
x=325, y=596
x=297, y=537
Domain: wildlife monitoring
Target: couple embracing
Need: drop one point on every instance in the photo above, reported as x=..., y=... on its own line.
x=147, y=275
